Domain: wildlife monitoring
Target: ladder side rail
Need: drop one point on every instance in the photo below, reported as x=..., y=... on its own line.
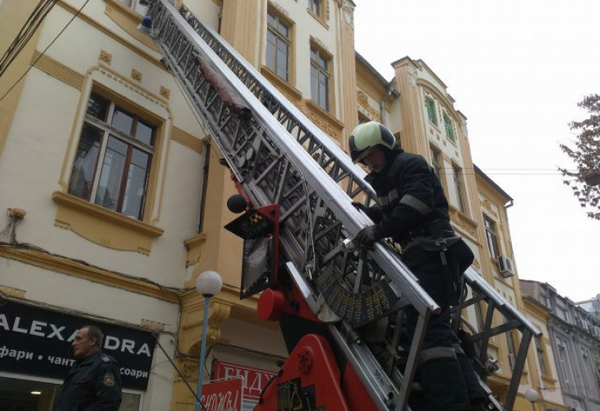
x=513, y=386
x=343, y=212
x=263, y=90
x=511, y=320
x=316, y=178
x=478, y=283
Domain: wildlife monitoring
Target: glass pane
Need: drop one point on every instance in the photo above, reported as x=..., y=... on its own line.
x=271, y=19
x=136, y=184
x=282, y=51
x=313, y=55
x=144, y=133
x=112, y=174
x=323, y=63
x=122, y=121
x=283, y=29
x=323, y=92
x=86, y=160
x=270, y=50
x=98, y=106
x=313, y=83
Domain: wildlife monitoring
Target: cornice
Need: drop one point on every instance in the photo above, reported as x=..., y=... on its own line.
x=67, y=266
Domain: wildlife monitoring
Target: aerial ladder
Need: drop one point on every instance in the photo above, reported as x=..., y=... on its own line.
x=298, y=225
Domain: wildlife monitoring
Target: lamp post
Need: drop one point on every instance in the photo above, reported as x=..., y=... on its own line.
x=208, y=284
x=532, y=396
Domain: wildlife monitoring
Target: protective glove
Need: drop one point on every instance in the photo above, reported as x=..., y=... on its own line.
x=370, y=212
x=360, y=206
x=368, y=235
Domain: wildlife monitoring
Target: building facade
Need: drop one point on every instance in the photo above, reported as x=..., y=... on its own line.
x=575, y=337
x=115, y=199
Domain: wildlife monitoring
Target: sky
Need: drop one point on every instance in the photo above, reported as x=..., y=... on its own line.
x=516, y=70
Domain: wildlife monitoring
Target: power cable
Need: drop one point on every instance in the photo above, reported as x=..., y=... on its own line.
x=44, y=51
x=29, y=28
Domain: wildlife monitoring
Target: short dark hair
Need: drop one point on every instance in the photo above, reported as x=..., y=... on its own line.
x=95, y=332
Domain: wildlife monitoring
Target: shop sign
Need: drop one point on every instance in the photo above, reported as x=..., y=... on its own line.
x=223, y=395
x=254, y=379
x=38, y=342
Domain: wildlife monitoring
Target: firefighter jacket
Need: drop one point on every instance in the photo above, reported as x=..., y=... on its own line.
x=93, y=384
x=411, y=200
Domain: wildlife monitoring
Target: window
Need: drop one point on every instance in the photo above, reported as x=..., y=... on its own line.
x=563, y=365
x=479, y=318
x=436, y=162
x=492, y=238
x=458, y=185
x=539, y=347
x=510, y=345
x=431, y=114
x=315, y=6
x=561, y=310
x=113, y=159
x=449, y=126
x=362, y=118
x=319, y=78
x=15, y=394
x=588, y=373
x=278, y=45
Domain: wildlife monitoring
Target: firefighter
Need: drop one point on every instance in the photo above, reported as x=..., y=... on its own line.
x=94, y=383
x=413, y=211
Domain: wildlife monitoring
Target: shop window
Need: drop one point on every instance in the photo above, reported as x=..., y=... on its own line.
x=278, y=45
x=492, y=237
x=18, y=394
x=319, y=78
x=114, y=157
x=431, y=114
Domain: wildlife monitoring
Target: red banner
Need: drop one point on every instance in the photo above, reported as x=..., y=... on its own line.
x=254, y=379
x=225, y=395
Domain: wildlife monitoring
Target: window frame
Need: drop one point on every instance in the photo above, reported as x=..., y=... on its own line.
x=449, y=127
x=436, y=162
x=316, y=8
x=110, y=132
x=274, y=31
x=325, y=71
x=491, y=236
x=541, y=353
x=459, y=186
x=511, y=350
x=431, y=111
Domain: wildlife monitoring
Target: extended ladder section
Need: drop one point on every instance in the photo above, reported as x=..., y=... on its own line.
x=279, y=157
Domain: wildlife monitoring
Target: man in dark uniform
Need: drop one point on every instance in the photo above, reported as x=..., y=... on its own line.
x=413, y=211
x=94, y=383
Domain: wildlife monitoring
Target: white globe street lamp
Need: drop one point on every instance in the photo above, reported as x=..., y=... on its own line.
x=532, y=396
x=208, y=283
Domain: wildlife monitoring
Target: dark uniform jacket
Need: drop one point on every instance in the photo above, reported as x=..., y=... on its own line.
x=413, y=211
x=411, y=199
x=94, y=383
